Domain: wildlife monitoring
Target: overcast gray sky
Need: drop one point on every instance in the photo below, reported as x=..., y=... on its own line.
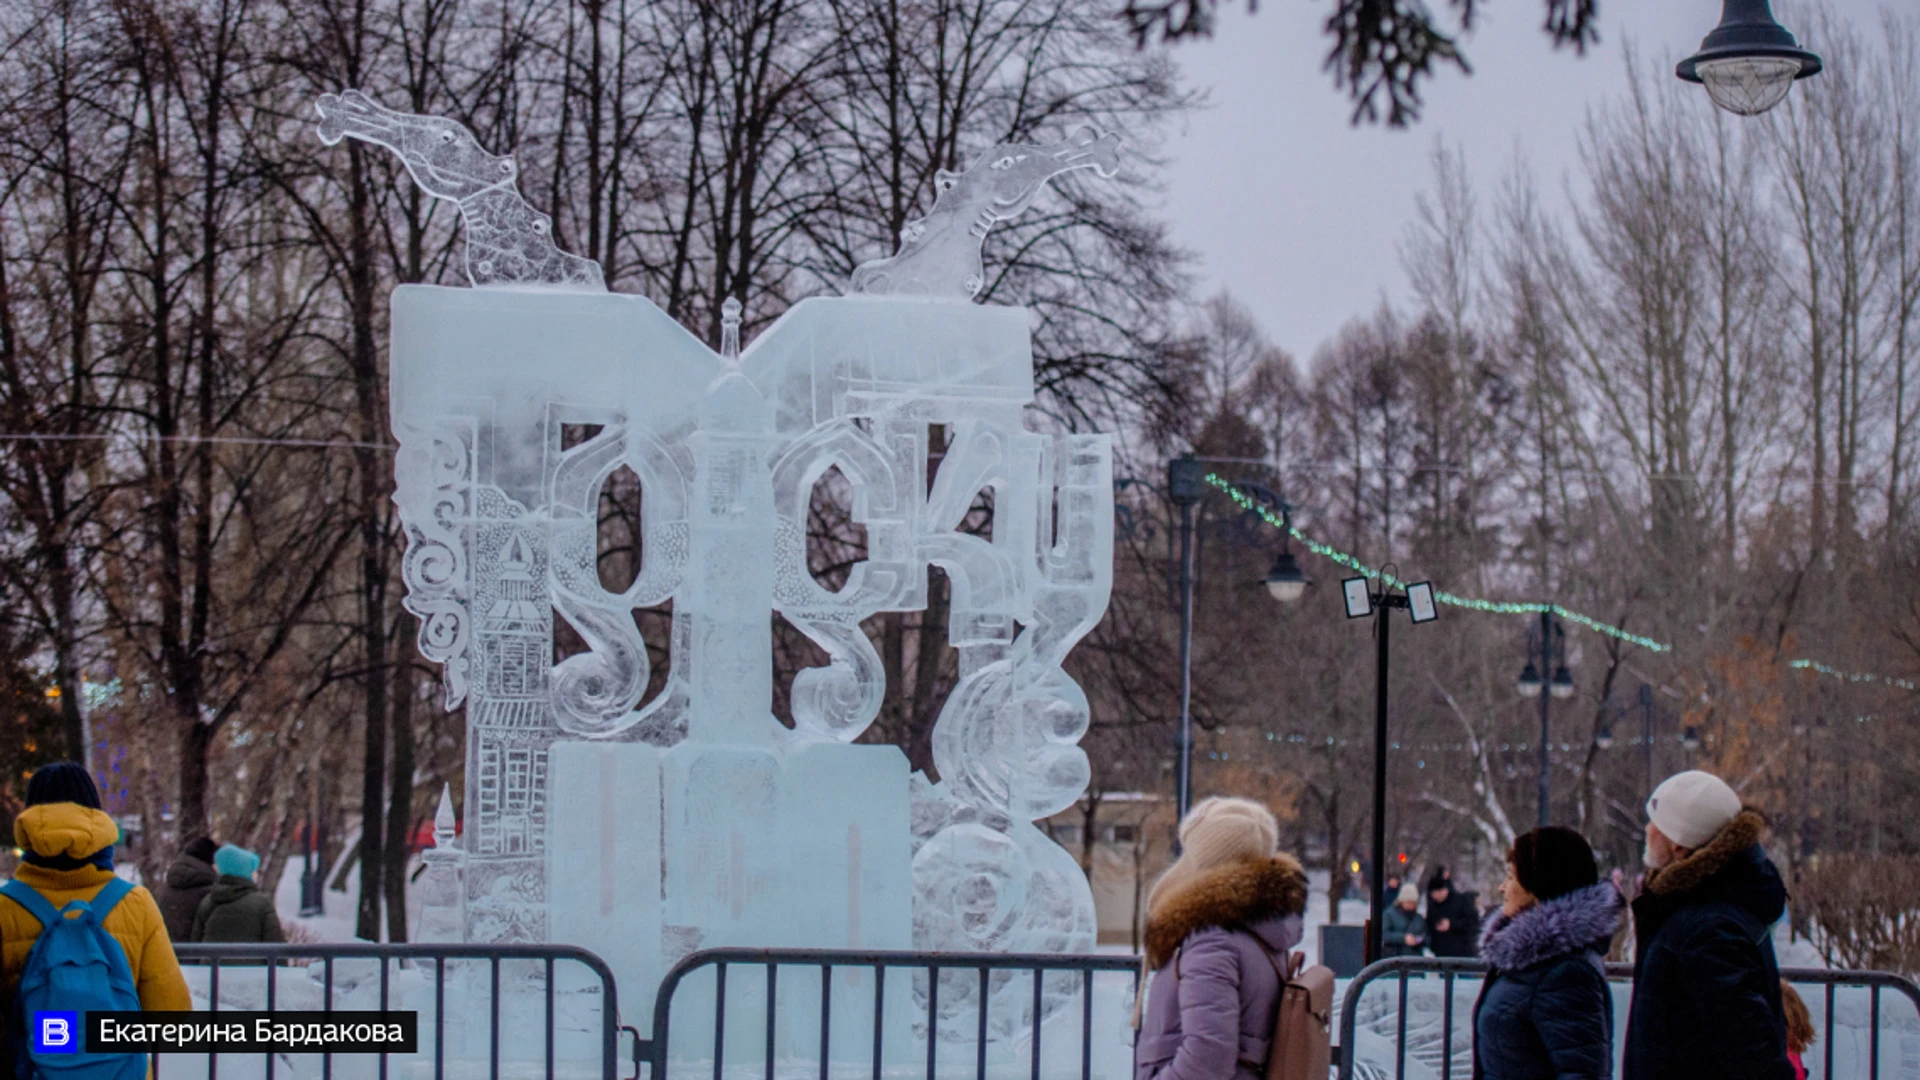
x=1298, y=214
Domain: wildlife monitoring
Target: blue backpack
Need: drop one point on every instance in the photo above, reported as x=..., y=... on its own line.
x=76, y=967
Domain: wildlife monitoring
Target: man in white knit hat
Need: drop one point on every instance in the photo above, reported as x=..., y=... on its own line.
x=1706, y=985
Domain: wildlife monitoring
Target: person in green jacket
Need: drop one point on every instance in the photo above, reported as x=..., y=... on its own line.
x=235, y=910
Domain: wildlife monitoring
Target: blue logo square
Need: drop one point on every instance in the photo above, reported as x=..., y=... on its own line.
x=56, y=1032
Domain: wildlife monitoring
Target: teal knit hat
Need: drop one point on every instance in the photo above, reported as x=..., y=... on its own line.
x=235, y=861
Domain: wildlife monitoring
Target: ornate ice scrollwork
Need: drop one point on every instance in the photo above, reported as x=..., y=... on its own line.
x=594, y=693
x=1007, y=740
x=435, y=474
x=837, y=702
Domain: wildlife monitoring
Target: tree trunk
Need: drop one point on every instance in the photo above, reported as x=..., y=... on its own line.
x=400, y=806
x=196, y=739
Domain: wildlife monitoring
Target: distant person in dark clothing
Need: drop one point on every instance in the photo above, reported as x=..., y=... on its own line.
x=1453, y=918
x=1706, y=985
x=235, y=910
x=188, y=881
x=1404, y=932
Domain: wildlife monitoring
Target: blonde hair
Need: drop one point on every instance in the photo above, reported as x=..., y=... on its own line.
x=1800, y=1033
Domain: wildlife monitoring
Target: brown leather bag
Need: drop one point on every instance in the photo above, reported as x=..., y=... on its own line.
x=1302, y=1047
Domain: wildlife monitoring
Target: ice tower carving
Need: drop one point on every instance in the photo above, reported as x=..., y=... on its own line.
x=648, y=826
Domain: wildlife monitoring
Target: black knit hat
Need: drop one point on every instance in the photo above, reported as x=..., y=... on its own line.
x=202, y=848
x=1552, y=861
x=63, y=781
x=1439, y=880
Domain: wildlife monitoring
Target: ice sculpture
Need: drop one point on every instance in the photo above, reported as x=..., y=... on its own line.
x=644, y=828
x=508, y=241
x=940, y=254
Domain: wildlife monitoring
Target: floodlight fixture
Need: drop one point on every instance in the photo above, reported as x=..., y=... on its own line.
x=1420, y=602
x=1690, y=738
x=1604, y=737
x=1359, y=598
x=1750, y=61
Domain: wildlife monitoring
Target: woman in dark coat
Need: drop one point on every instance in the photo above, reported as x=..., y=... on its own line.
x=1545, y=1012
x=235, y=910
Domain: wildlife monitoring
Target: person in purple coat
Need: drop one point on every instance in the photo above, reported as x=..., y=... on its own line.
x=1220, y=923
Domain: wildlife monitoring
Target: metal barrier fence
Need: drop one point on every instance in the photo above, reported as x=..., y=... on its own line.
x=266, y=967
x=653, y=1052
x=1411, y=970
x=273, y=963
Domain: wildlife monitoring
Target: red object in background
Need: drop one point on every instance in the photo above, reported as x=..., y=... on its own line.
x=421, y=840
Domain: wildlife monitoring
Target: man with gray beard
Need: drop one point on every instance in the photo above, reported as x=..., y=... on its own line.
x=1706, y=986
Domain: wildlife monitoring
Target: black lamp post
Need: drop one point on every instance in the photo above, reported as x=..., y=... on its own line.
x=1805, y=731
x=1187, y=485
x=1604, y=737
x=1750, y=61
x=1361, y=602
x=1547, y=643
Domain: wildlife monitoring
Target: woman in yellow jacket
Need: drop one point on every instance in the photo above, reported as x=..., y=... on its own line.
x=67, y=846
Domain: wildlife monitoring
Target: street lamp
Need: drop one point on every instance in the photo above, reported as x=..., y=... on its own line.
x=1186, y=486
x=1750, y=61
x=1361, y=602
x=1806, y=732
x=1548, y=643
x=1285, y=582
x=1604, y=737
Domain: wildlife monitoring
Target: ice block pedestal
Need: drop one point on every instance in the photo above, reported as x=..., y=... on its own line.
x=653, y=855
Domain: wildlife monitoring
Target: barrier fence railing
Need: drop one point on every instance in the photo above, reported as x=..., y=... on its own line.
x=653, y=1052
x=365, y=976
x=1413, y=973
x=270, y=966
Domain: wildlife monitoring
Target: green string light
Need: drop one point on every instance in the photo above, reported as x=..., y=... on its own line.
x=1853, y=676
x=1493, y=607
x=1517, y=607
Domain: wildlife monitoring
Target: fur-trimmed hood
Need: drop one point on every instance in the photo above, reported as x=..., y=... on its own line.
x=1239, y=894
x=1550, y=929
x=1685, y=875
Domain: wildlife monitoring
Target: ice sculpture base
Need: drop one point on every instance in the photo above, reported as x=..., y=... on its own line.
x=654, y=854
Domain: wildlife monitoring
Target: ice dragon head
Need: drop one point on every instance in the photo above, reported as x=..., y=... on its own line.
x=1014, y=173
x=441, y=154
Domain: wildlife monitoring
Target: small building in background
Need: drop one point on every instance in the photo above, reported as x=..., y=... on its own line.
x=1131, y=837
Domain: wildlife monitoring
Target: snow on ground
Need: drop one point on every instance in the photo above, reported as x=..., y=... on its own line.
x=336, y=921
